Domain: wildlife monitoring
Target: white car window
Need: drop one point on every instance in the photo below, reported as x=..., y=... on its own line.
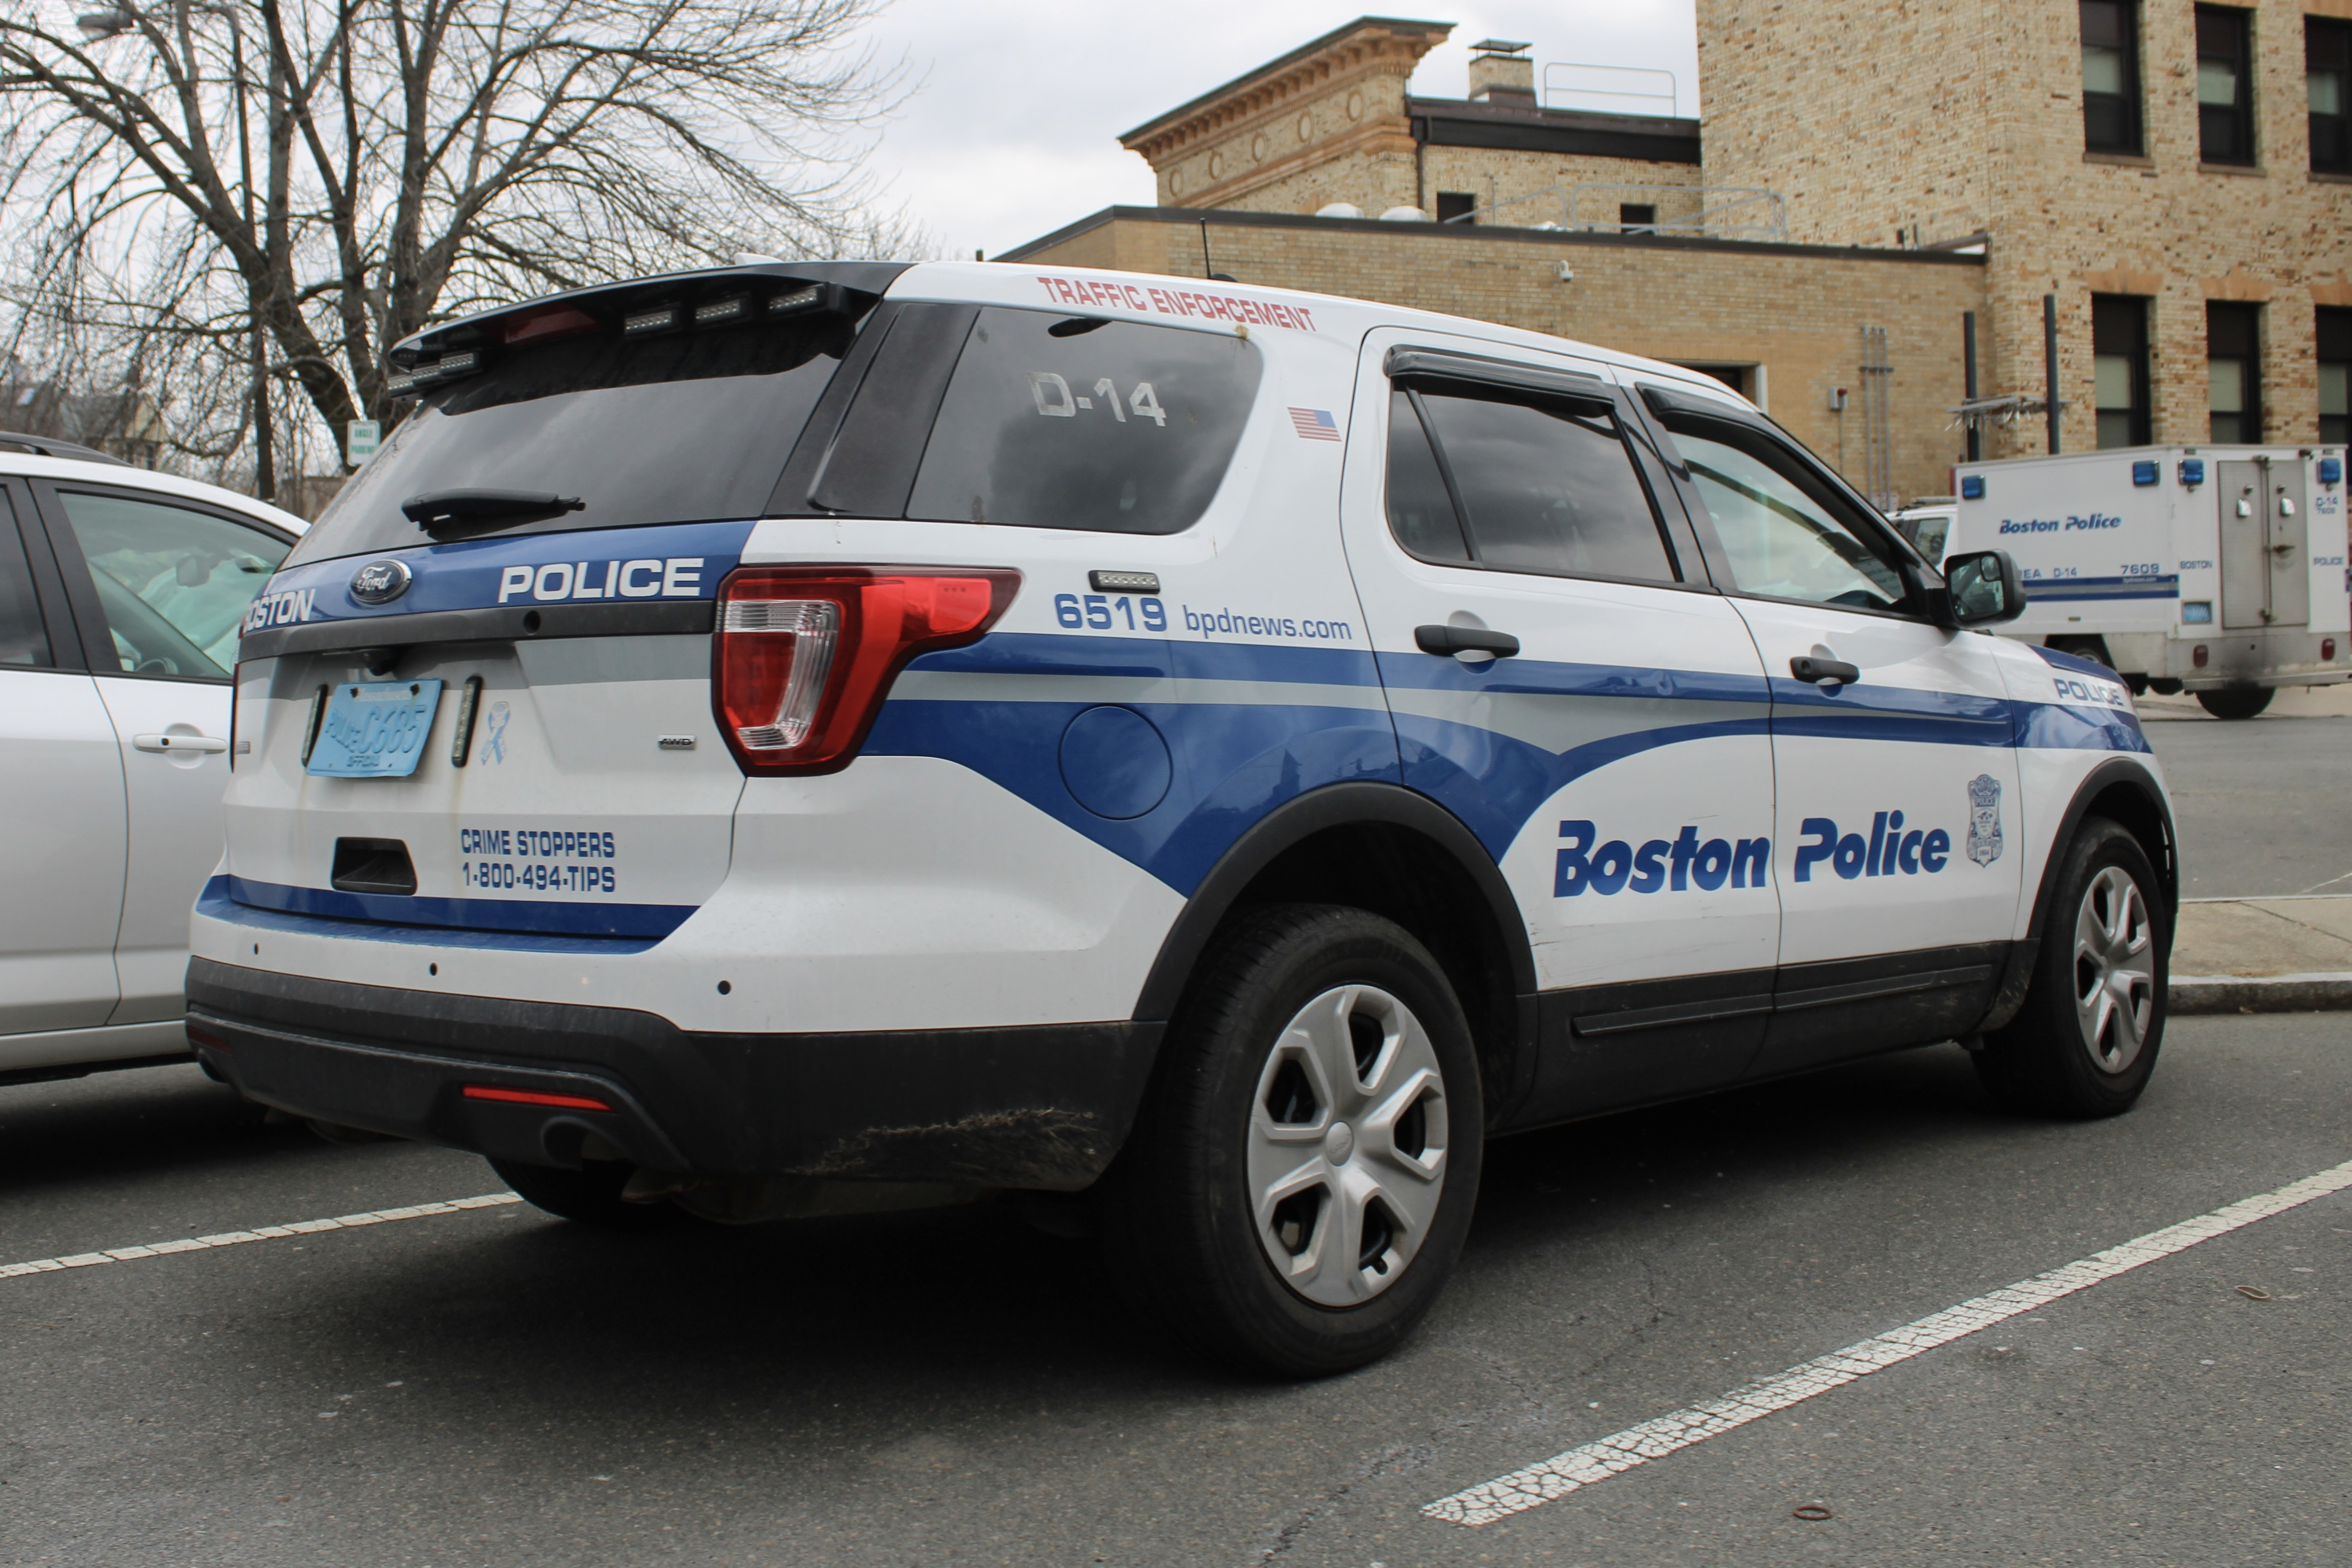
x=173, y=583
x=1781, y=542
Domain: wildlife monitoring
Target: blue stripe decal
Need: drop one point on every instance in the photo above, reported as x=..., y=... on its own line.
x=2054, y=589
x=2053, y=727
x=1030, y=653
x=1867, y=712
x=215, y=903
x=1414, y=671
x=674, y=561
x=599, y=923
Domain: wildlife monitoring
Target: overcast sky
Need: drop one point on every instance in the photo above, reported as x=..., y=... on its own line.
x=1013, y=131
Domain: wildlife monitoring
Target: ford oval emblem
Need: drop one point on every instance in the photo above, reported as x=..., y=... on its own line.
x=380, y=582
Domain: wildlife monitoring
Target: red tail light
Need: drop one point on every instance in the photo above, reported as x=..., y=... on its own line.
x=805, y=655
x=2197, y=655
x=532, y=1096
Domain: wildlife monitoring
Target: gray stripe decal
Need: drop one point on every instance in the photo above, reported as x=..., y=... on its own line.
x=960, y=685
x=576, y=661
x=1560, y=724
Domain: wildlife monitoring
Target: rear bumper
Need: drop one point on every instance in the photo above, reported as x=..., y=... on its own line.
x=1042, y=1107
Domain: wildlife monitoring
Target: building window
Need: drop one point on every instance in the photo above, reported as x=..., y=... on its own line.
x=2111, y=76
x=2119, y=354
x=1637, y=217
x=1456, y=206
x=2225, y=88
x=2335, y=376
x=2235, y=366
x=2328, y=76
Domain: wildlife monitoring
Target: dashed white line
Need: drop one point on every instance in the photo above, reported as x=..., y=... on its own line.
x=1578, y=1467
x=258, y=1233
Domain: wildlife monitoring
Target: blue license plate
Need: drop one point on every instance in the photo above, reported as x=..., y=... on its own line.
x=374, y=728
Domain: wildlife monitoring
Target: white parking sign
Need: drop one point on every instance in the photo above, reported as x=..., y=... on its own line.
x=362, y=439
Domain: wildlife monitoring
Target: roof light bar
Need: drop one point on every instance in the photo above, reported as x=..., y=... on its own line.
x=644, y=323
x=719, y=310
x=798, y=300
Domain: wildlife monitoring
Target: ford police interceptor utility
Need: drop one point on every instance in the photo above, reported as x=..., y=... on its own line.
x=794, y=738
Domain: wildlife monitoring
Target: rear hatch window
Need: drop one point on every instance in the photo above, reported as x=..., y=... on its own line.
x=685, y=425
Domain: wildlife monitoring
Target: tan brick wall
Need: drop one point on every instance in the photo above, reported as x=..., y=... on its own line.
x=1961, y=115
x=1798, y=316
x=1505, y=174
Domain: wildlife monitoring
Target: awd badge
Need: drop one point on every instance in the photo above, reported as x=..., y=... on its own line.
x=380, y=582
x=1984, y=819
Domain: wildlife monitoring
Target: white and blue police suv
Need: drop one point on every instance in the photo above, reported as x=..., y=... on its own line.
x=797, y=738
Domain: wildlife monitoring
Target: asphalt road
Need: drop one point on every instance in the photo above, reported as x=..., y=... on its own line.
x=2255, y=799
x=496, y=1387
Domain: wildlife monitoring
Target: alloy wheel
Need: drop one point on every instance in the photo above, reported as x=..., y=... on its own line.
x=2115, y=970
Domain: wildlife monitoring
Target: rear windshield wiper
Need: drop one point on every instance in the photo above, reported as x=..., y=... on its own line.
x=447, y=509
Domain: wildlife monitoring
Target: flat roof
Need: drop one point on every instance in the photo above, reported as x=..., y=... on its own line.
x=1476, y=234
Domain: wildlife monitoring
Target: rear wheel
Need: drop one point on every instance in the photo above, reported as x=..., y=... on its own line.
x=2235, y=701
x=591, y=1194
x=2086, y=1041
x=1298, y=1186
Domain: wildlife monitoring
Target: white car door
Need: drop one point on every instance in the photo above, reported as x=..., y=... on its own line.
x=1614, y=758
x=1894, y=752
x=169, y=583
x=61, y=843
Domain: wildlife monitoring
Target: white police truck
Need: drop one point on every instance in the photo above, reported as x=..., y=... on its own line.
x=2217, y=569
x=796, y=738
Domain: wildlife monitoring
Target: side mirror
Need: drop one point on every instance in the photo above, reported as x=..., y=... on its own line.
x=1985, y=588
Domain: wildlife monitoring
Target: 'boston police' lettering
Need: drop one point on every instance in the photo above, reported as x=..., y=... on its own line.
x=1677, y=866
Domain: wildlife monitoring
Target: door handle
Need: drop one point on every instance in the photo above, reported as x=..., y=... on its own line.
x=1823, y=671
x=1464, y=639
x=205, y=744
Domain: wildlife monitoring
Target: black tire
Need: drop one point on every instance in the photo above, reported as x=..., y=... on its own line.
x=1180, y=1225
x=2235, y=701
x=2045, y=1062
x=591, y=1194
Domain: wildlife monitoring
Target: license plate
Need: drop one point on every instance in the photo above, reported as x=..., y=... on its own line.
x=375, y=729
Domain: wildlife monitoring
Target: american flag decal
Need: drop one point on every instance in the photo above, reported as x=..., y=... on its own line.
x=1314, y=424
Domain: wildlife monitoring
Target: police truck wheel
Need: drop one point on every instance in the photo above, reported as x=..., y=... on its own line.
x=1301, y=1178
x=2086, y=1039
x=591, y=1194
x=2235, y=701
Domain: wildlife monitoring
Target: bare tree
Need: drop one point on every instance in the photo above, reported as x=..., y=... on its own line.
x=280, y=189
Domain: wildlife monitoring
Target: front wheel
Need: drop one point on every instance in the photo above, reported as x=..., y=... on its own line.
x=2235, y=701
x=1300, y=1182
x=2085, y=1040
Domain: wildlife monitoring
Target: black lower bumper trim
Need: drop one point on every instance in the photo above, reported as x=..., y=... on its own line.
x=1044, y=1107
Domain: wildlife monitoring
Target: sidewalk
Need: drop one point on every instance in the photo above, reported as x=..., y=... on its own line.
x=2264, y=955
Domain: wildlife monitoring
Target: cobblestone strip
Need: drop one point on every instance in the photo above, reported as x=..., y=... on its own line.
x=1564, y=1473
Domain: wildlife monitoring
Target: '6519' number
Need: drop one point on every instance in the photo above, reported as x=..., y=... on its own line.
x=1104, y=613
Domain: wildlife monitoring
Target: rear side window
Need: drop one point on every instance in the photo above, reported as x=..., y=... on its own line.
x=174, y=584
x=1421, y=509
x=22, y=640
x=1545, y=485
x=1056, y=421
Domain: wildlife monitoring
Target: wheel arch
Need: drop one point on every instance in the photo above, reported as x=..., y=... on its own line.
x=1400, y=855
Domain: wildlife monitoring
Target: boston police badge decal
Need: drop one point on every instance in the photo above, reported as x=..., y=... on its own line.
x=1984, y=819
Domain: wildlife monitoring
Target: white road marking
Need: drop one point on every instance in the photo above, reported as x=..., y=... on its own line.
x=258, y=1233
x=1564, y=1473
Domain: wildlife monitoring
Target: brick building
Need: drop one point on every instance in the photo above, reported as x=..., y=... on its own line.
x=2176, y=178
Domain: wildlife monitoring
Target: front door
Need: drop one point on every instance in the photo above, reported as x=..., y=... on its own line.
x=2265, y=565
x=1614, y=757
x=169, y=585
x=1898, y=821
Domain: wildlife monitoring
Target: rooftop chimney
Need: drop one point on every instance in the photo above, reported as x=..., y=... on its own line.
x=1502, y=74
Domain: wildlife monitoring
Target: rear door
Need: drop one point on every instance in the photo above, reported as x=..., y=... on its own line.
x=2265, y=570
x=1898, y=814
x=1616, y=765
x=61, y=849
x=160, y=586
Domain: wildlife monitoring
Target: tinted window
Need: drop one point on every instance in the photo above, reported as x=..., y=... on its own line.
x=687, y=428
x=173, y=583
x=1055, y=421
x=2110, y=76
x=2225, y=118
x=1783, y=536
x=1547, y=485
x=1420, y=513
x=22, y=641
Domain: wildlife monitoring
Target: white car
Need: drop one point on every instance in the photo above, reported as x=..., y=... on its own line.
x=121, y=592
x=795, y=738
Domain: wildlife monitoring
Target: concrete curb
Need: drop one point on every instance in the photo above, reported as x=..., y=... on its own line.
x=2205, y=994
